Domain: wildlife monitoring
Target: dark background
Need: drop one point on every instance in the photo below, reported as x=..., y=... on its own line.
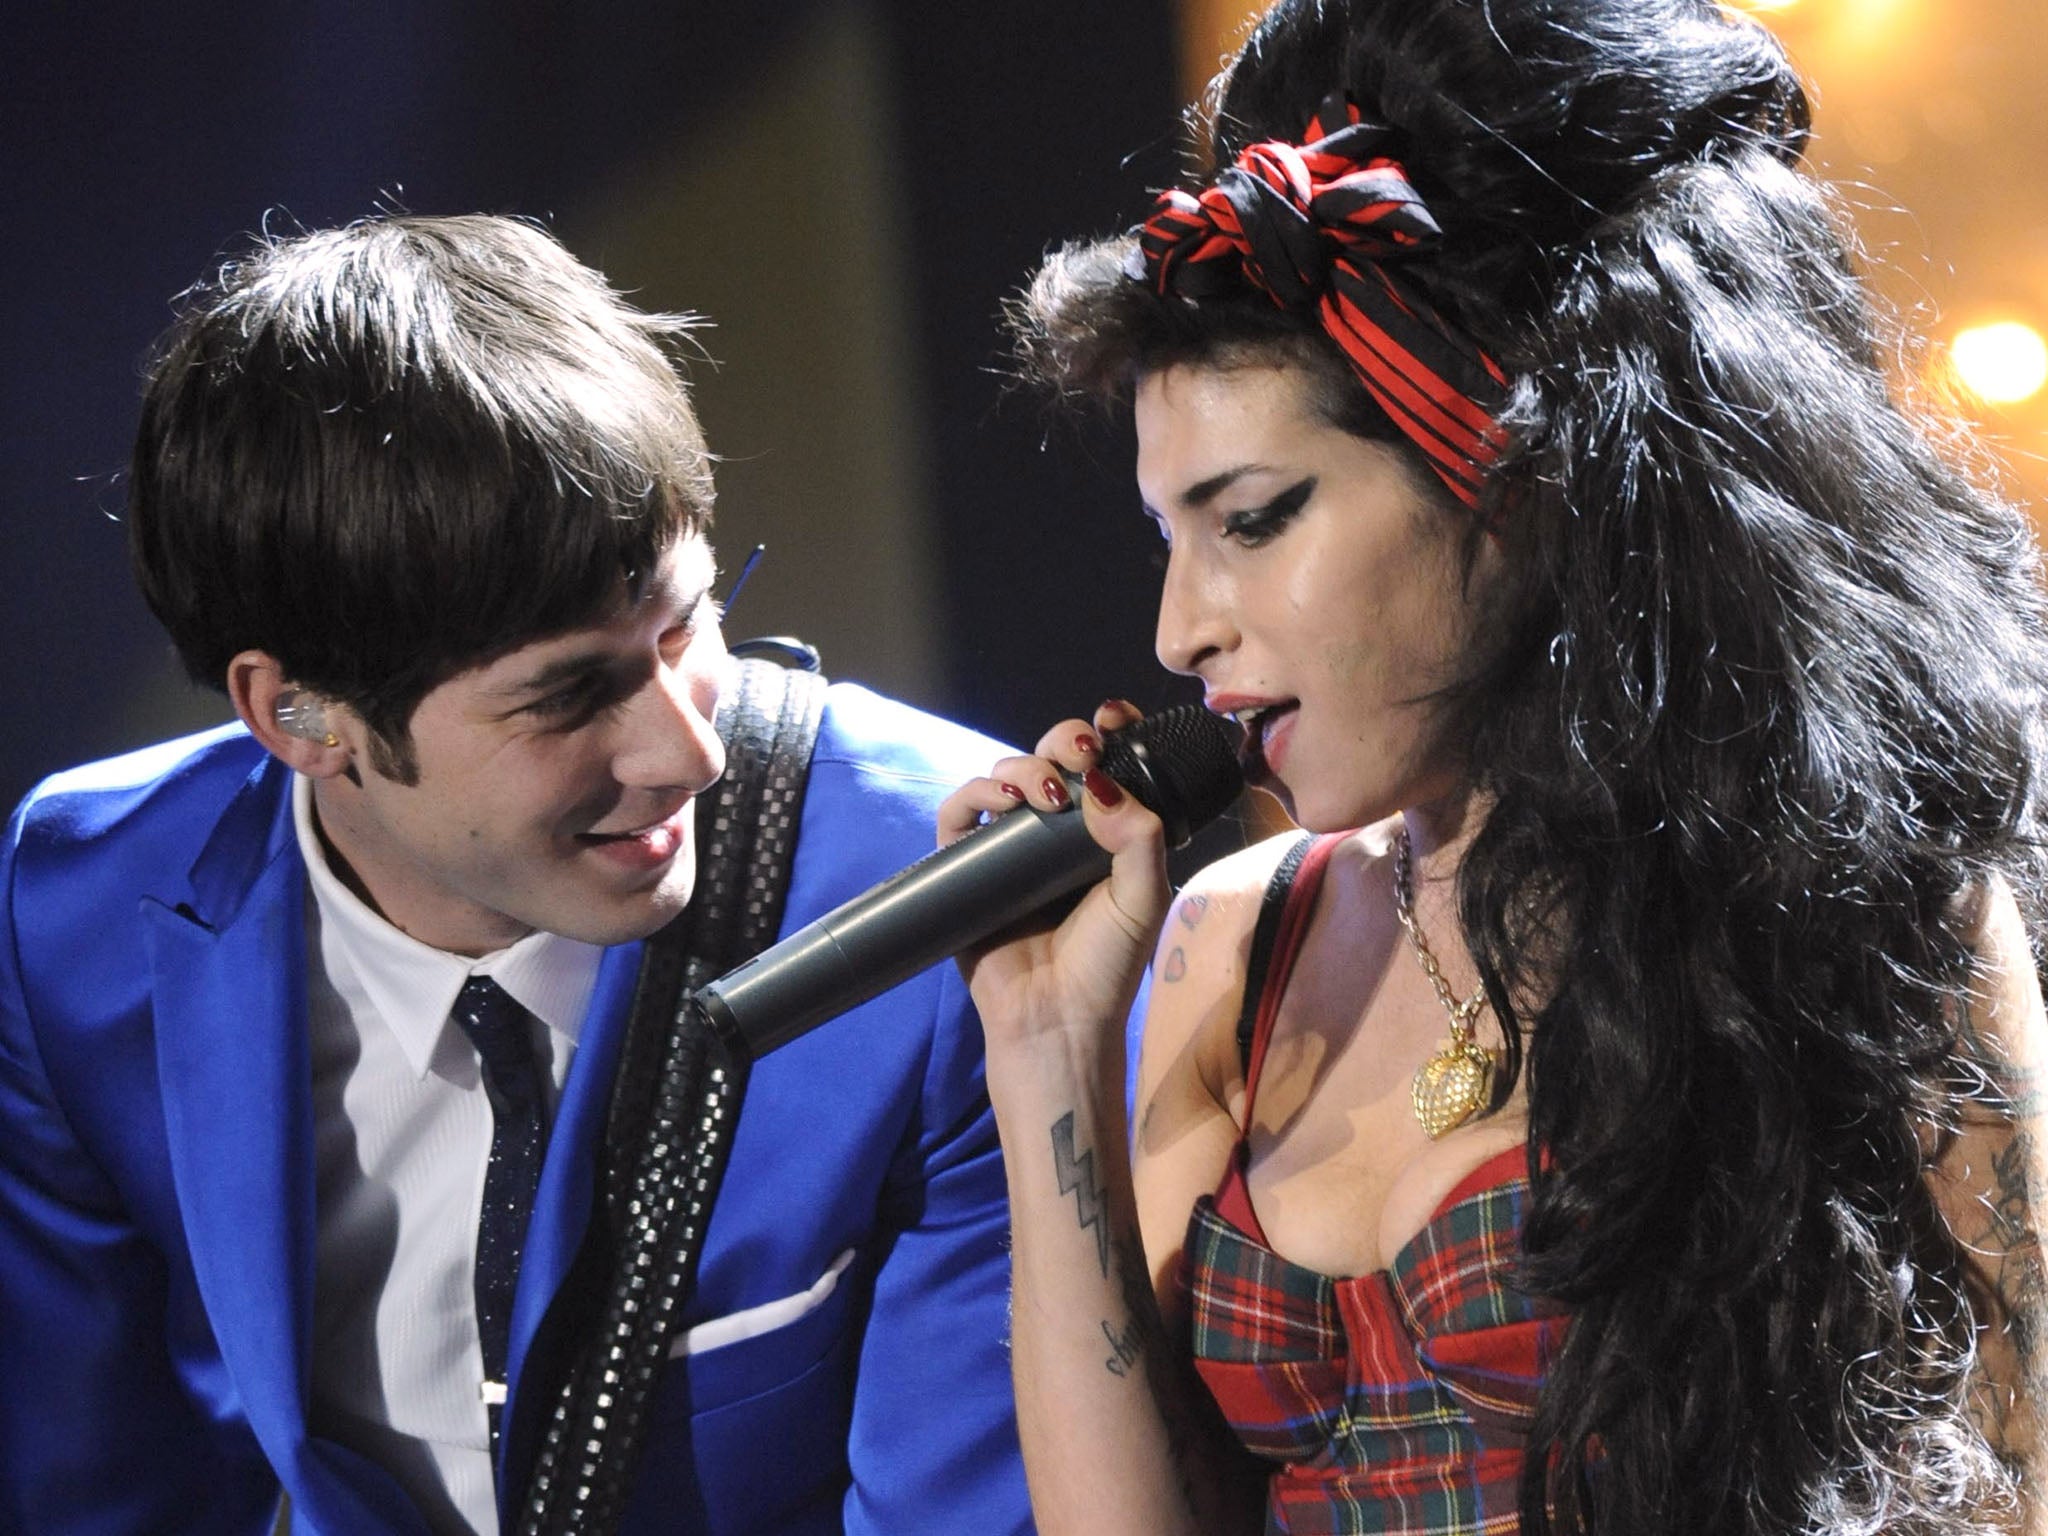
x=847, y=188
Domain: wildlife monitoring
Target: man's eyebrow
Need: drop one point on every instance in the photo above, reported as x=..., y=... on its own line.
x=580, y=663
x=550, y=674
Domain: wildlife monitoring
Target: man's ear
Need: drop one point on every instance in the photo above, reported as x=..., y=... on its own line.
x=296, y=726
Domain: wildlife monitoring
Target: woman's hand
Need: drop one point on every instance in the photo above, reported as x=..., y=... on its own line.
x=1115, y=1430
x=1037, y=981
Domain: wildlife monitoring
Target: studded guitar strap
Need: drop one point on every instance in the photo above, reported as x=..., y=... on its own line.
x=676, y=1103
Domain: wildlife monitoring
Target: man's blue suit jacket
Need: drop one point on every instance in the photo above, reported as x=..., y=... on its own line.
x=157, y=1188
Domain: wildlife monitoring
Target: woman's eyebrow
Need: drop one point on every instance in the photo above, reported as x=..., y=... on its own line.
x=1202, y=492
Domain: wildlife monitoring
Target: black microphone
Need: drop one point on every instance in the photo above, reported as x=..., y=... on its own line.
x=1181, y=763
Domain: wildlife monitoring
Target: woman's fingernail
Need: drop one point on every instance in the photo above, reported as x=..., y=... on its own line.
x=1056, y=792
x=1121, y=706
x=1086, y=744
x=1102, y=789
x=1011, y=790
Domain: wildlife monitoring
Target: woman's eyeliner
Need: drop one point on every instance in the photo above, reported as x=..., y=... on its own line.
x=1255, y=525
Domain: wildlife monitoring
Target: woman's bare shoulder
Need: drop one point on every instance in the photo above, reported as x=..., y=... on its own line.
x=1245, y=872
x=1208, y=931
x=1199, y=968
x=1199, y=965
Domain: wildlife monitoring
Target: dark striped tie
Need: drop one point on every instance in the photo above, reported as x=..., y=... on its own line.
x=502, y=1034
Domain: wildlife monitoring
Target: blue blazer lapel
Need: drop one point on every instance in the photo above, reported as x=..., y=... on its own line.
x=563, y=1204
x=228, y=969
x=228, y=991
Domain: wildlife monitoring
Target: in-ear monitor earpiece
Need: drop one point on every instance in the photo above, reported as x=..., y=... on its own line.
x=302, y=715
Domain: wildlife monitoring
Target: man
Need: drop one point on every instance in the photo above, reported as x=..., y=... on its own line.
x=428, y=501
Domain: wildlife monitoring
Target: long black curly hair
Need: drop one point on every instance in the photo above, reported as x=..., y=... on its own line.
x=1763, y=710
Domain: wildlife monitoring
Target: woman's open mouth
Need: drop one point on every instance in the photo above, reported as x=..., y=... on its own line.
x=1266, y=728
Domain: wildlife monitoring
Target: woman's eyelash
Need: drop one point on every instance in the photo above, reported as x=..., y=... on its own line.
x=1257, y=524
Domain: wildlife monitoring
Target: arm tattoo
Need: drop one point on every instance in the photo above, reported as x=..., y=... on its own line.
x=2021, y=1284
x=1143, y=1335
x=2010, y=1244
x=2019, y=1093
x=1137, y=1344
x=1076, y=1175
x=1189, y=910
x=1124, y=1348
x=1169, y=1373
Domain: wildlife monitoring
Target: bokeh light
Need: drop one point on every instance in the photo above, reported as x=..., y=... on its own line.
x=2003, y=363
x=1931, y=124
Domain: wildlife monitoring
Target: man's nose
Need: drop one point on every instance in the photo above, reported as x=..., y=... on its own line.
x=672, y=743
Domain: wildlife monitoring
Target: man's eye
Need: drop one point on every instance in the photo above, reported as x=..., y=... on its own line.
x=580, y=698
x=687, y=621
x=707, y=610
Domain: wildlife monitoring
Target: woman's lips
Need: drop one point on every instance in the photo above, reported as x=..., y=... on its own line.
x=1267, y=732
x=1276, y=731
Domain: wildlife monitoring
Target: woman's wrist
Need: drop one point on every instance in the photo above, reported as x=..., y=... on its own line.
x=1079, y=1063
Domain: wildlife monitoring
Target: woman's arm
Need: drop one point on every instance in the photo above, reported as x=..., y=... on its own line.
x=1992, y=1184
x=1118, y=1436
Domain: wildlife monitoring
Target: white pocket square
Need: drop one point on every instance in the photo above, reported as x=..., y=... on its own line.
x=766, y=1318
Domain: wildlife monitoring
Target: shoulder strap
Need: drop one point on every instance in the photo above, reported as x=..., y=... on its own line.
x=1283, y=919
x=1271, y=906
x=675, y=1104
x=746, y=845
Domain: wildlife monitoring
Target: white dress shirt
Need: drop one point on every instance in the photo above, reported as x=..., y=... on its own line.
x=402, y=1132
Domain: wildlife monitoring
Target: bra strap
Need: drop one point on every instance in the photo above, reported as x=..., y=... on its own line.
x=1283, y=917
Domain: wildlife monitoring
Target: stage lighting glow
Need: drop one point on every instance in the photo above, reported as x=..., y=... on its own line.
x=2003, y=363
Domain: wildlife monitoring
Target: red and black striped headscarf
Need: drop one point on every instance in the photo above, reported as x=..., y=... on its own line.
x=1321, y=223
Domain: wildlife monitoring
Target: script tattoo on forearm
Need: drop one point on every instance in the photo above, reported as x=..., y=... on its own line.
x=1142, y=1333
x=1125, y=1346
x=1076, y=1175
x=1169, y=1373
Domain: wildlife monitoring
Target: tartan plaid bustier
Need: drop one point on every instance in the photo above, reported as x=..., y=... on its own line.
x=1396, y=1401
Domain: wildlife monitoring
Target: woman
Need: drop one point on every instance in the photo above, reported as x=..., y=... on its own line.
x=1632, y=1128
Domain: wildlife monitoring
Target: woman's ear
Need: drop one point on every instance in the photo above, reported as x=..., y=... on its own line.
x=296, y=726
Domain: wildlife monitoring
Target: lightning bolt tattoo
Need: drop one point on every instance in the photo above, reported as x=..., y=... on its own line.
x=1076, y=1174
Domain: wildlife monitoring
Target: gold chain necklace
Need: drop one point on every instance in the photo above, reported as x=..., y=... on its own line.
x=1456, y=1083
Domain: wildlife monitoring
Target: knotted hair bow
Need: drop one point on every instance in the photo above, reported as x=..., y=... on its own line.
x=1321, y=223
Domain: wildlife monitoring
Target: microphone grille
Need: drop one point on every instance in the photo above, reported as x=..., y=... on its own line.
x=1182, y=763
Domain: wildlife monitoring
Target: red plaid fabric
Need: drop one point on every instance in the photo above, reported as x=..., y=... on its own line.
x=1397, y=1401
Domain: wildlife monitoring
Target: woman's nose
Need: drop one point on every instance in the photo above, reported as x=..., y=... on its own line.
x=1194, y=622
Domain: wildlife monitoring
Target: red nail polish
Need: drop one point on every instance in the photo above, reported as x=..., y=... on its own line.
x=1086, y=744
x=1011, y=790
x=1123, y=706
x=1056, y=792
x=1102, y=789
